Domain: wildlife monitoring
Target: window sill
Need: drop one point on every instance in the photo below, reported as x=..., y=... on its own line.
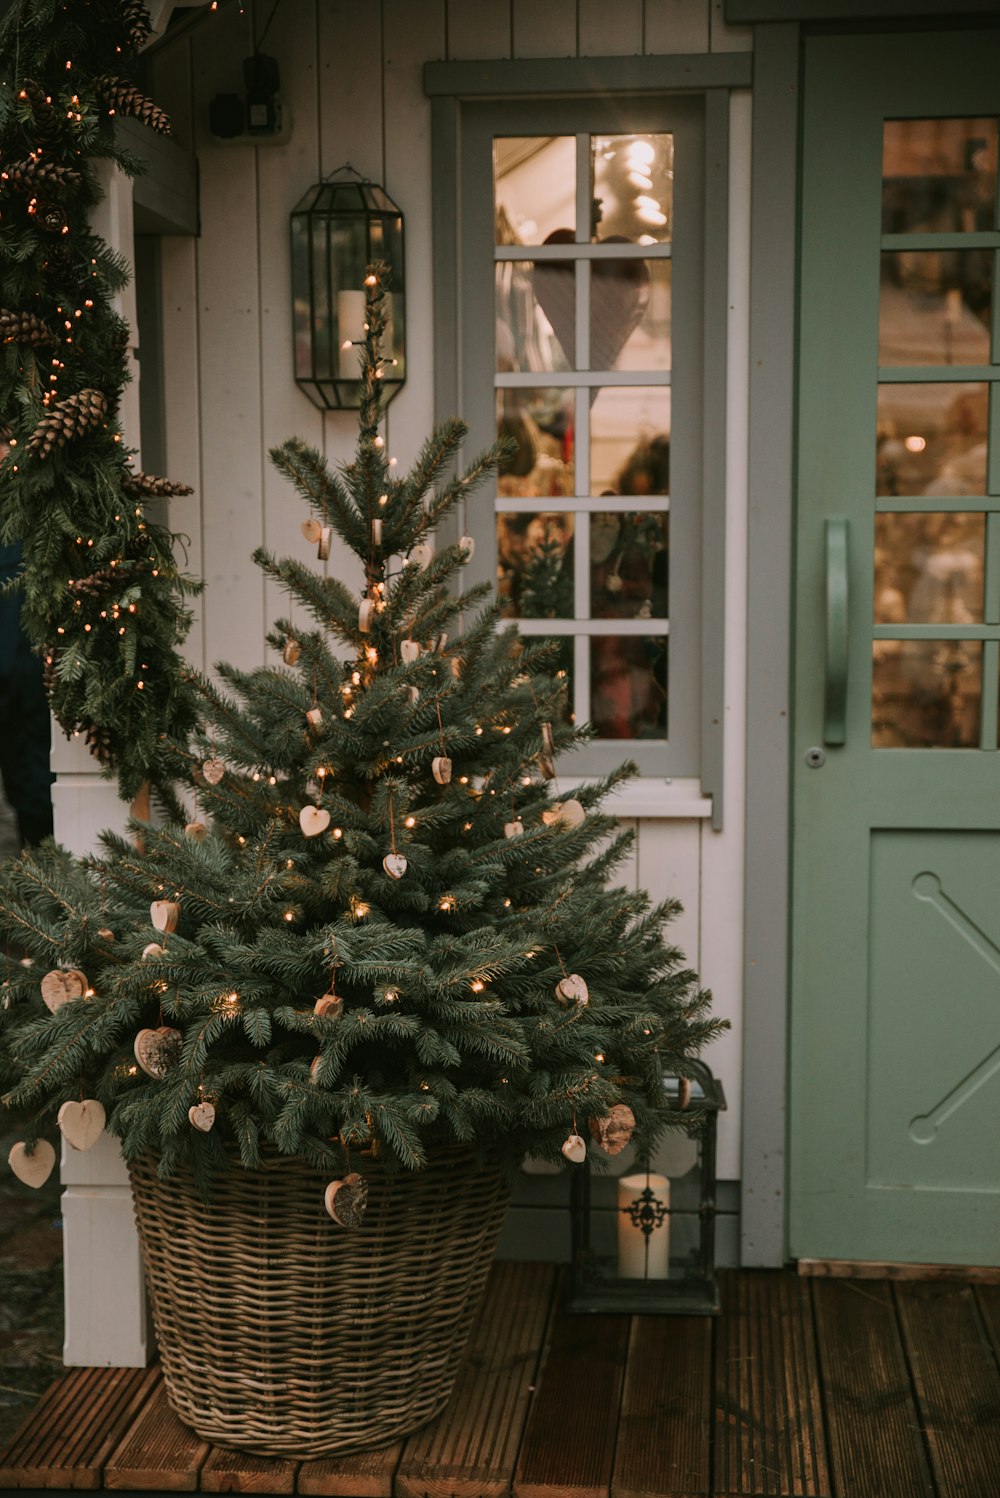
x=650, y=796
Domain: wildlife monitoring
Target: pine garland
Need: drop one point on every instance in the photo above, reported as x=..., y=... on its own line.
x=67, y=491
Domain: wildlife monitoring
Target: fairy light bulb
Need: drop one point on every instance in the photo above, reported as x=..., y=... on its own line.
x=411, y=822
x=477, y=986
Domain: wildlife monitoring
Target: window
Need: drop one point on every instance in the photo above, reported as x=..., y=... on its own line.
x=580, y=316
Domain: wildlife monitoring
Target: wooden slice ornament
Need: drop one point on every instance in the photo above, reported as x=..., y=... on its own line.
x=683, y=1093
x=313, y=820
x=292, y=651
x=574, y=1148
x=105, y=933
x=323, y=544
x=546, y=767
x=456, y=666
x=514, y=828
x=409, y=651
x=165, y=914
x=413, y=693
x=312, y=530
x=441, y=769
x=564, y=814
x=158, y=1050
x=346, y=1200
x=377, y=531
x=34, y=1169
x=366, y=613
x=81, y=1124
x=438, y=643
x=153, y=949
x=615, y=1129
x=395, y=865
x=468, y=545
x=201, y=1116
x=572, y=989
x=196, y=831
x=330, y=1006
x=548, y=742
x=422, y=554
x=62, y=986
x=314, y=716
x=213, y=769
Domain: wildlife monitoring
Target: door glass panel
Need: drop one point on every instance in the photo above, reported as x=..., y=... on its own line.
x=535, y=565
x=926, y=694
x=535, y=319
x=630, y=314
x=934, y=307
x=939, y=176
x=932, y=439
x=628, y=686
x=629, y=565
x=929, y=568
x=534, y=179
x=633, y=187
x=630, y=440
x=540, y=424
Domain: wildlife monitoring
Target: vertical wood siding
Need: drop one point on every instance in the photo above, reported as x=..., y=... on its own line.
x=351, y=77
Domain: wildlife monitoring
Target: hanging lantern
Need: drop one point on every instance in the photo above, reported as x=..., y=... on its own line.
x=644, y=1237
x=339, y=228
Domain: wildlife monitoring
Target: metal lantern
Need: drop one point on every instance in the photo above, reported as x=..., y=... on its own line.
x=339, y=228
x=643, y=1238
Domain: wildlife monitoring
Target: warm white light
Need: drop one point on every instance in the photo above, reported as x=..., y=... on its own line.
x=914, y=444
x=640, y=153
x=640, y=179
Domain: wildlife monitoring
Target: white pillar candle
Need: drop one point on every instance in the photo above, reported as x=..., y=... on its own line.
x=643, y=1256
x=351, y=331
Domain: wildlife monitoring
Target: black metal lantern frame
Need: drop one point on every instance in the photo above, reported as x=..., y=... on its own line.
x=344, y=224
x=655, y=1253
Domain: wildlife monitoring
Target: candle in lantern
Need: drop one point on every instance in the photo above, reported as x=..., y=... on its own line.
x=351, y=331
x=643, y=1227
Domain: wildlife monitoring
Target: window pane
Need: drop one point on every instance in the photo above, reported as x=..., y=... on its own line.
x=534, y=182
x=929, y=568
x=540, y=424
x=628, y=686
x=535, y=316
x=932, y=439
x=633, y=187
x=934, y=307
x=535, y=565
x=939, y=176
x=629, y=565
x=630, y=440
x=926, y=694
x=630, y=314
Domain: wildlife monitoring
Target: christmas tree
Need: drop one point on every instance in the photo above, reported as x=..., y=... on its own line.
x=386, y=926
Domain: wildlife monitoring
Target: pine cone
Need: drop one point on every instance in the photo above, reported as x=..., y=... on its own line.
x=70, y=418
x=28, y=176
x=98, y=584
x=50, y=661
x=49, y=216
x=137, y=483
x=46, y=116
x=122, y=97
x=100, y=741
x=25, y=327
x=138, y=26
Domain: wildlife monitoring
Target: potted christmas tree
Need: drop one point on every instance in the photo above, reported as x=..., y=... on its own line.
x=329, y=1010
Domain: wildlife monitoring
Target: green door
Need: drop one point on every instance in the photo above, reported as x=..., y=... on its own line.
x=894, y=1128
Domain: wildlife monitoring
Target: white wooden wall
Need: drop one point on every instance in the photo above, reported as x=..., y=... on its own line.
x=351, y=77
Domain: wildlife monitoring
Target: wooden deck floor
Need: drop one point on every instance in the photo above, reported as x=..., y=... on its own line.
x=818, y=1388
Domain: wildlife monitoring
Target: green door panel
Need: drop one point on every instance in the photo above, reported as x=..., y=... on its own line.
x=895, y=992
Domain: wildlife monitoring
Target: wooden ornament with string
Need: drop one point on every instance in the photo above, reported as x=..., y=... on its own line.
x=394, y=862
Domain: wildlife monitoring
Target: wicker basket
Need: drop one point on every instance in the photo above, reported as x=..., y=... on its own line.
x=283, y=1334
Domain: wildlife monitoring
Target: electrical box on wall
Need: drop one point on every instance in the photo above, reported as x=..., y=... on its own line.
x=257, y=116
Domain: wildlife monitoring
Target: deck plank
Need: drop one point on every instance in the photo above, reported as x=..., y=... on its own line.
x=158, y=1454
x=359, y=1474
x=469, y=1451
x=664, y=1434
x=956, y=1382
x=569, y=1443
x=229, y=1471
x=876, y=1450
x=64, y=1441
x=769, y=1417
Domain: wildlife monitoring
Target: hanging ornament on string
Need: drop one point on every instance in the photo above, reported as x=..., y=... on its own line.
x=34, y=1169
x=574, y=1147
x=158, y=1050
x=81, y=1124
x=513, y=828
x=164, y=914
x=62, y=986
x=196, y=831
x=564, y=814
x=468, y=545
x=330, y=1005
x=394, y=862
x=346, y=1200
x=213, y=768
x=614, y=1130
x=367, y=610
x=441, y=766
x=291, y=652
x=201, y=1116
x=409, y=651
x=323, y=546
x=421, y=555
x=312, y=530
x=571, y=988
x=377, y=531
x=313, y=820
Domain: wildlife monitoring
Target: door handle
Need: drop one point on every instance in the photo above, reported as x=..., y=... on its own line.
x=837, y=599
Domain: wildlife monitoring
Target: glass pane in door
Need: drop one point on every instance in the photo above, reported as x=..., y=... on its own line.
x=939, y=176
x=935, y=306
x=932, y=438
x=633, y=187
x=929, y=568
x=534, y=187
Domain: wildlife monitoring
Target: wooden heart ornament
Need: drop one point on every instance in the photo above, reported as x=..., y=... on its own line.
x=196, y=831
x=201, y=1116
x=330, y=1006
x=615, y=1129
x=409, y=651
x=61, y=986
x=619, y=296
x=81, y=1124
x=441, y=769
x=165, y=914
x=313, y=820
x=422, y=554
x=394, y=865
x=312, y=530
x=572, y=989
x=213, y=770
x=575, y=1149
x=346, y=1200
x=513, y=829
x=157, y=1050
x=564, y=814
x=34, y=1169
